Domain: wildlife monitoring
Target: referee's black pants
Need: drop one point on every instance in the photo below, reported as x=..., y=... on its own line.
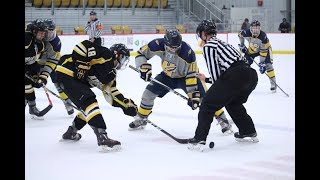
x=231, y=90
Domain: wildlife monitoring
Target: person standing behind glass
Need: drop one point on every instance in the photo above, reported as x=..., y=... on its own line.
x=94, y=28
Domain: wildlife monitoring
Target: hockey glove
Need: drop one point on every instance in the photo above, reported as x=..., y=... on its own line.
x=132, y=109
x=40, y=82
x=262, y=67
x=146, y=71
x=194, y=100
x=243, y=48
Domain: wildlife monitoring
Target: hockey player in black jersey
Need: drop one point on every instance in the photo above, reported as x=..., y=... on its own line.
x=34, y=46
x=259, y=45
x=179, y=72
x=88, y=66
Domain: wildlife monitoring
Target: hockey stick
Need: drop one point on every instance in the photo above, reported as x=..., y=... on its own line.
x=56, y=95
x=47, y=109
x=165, y=86
x=270, y=78
x=266, y=74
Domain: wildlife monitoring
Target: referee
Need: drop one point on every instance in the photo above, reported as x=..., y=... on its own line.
x=232, y=83
x=94, y=28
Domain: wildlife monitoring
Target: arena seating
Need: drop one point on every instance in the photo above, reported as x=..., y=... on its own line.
x=99, y=3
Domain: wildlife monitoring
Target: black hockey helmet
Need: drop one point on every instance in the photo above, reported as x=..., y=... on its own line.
x=120, y=49
x=206, y=26
x=38, y=25
x=50, y=24
x=255, y=27
x=93, y=13
x=172, y=38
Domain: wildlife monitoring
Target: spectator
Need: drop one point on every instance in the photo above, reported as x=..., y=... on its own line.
x=245, y=25
x=284, y=27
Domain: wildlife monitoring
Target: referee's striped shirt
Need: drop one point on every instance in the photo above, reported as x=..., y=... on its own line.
x=219, y=56
x=94, y=29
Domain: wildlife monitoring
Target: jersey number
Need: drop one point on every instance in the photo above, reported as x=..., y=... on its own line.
x=91, y=52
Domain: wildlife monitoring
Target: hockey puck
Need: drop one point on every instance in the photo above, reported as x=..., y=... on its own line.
x=211, y=144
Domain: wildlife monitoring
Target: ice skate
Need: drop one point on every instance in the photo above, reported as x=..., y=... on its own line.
x=226, y=127
x=104, y=142
x=71, y=134
x=273, y=85
x=246, y=138
x=138, y=124
x=197, y=145
x=34, y=113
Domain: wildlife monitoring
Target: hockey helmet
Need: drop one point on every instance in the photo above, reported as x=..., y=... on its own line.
x=255, y=27
x=38, y=26
x=206, y=26
x=51, y=33
x=93, y=13
x=121, y=54
x=172, y=40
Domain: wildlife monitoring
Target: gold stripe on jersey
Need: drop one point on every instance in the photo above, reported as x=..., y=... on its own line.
x=191, y=81
x=271, y=73
x=80, y=49
x=99, y=61
x=66, y=61
x=90, y=107
x=51, y=65
x=64, y=70
x=219, y=112
x=144, y=48
x=92, y=114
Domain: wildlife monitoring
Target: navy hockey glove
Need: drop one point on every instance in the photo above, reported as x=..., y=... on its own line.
x=262, y=67
x=194, y=100
x=40, y=82
x=146, y=71
x=243, y=48
x=132, y=109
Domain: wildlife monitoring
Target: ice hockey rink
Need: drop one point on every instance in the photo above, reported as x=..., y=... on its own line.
x=150, y=154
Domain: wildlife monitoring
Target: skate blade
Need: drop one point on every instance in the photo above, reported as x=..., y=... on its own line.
x=68, y=140
x=228, y=132
x=199, y=148
x=34, y=117
x=248, y=139
x=138, y=128
x=106, y=149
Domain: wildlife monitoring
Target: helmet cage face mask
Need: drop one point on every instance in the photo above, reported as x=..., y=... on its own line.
x=123, y=62
x=50, y=35
x=172, y=50
x=255, y=30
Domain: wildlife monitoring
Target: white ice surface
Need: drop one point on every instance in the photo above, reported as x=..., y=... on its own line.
x=150, y=154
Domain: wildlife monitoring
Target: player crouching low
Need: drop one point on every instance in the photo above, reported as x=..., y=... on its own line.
x=88, y=66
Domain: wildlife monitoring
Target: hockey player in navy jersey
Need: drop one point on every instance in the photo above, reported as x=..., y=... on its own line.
x=179, y=72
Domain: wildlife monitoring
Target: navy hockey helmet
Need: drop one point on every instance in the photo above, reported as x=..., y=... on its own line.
x=255, y=27
x=121, y=54
x=206, y=26
x=51, y=33
x=172, y=40
x=50, y=24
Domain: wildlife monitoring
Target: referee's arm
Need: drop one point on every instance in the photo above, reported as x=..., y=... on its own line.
x=212, y=62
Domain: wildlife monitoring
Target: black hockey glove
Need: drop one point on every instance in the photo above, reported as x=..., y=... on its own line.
x=194, y=100
x=262, y=67
x=40, y=82
x=146, y=71
x=243, y=48
x=132, y=109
